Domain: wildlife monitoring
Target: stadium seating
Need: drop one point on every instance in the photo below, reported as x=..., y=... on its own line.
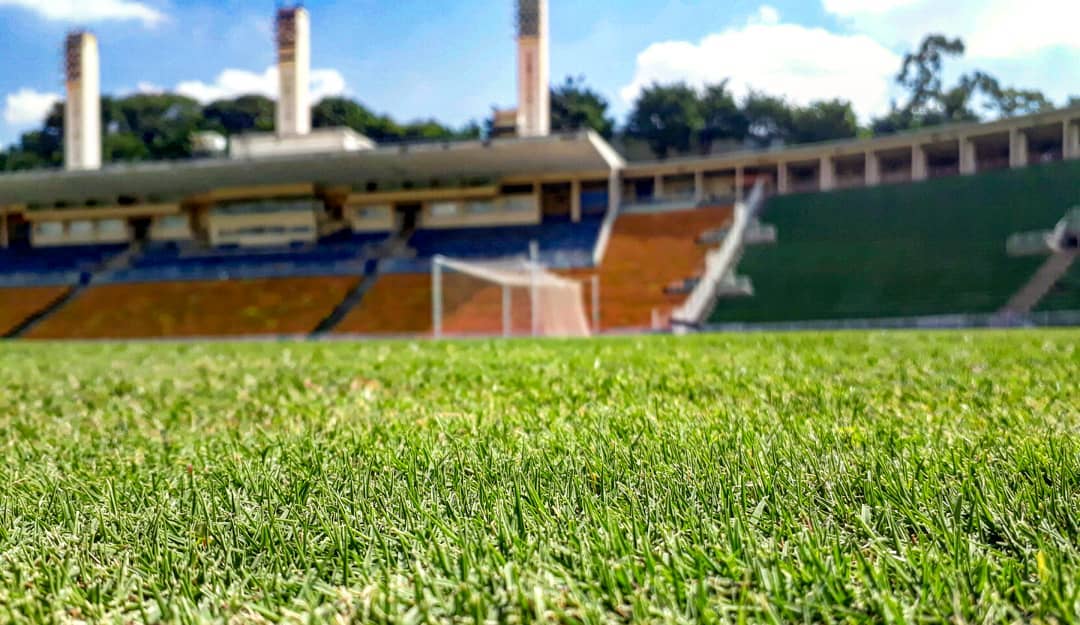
x=341, y=255
x=646, y=252
x=930, y=248
x=197, y=308
x=18, y=304
x=23, y=266
x=562, y=244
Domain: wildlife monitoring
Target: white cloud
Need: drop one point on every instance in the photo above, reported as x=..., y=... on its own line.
x=992, y=29
x=236, y=82
x=803, y=64
x=85, y=11
x=27, y=107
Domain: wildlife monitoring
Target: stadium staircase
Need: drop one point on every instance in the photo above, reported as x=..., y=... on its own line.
x=1049, y=274
x=20, y=307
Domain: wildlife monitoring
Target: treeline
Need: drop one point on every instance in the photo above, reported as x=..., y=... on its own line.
x=665, y=120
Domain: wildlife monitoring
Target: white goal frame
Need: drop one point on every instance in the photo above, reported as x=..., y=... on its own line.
x=537, y=277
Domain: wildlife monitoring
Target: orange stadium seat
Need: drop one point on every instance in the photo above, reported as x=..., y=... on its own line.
x=197, y=308
x=17, y=304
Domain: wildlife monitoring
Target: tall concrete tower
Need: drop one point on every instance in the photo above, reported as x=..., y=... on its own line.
x=534, y=72
x=82, y=111
x=294, y=70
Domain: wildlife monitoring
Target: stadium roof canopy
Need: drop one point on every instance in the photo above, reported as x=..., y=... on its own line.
x=581, y=152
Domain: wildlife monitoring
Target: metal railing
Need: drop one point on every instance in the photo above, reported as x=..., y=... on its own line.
x=720, y=263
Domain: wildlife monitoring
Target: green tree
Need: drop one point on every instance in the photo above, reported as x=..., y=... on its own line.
x=823, y=121
x=163, y=122
x=575, y=106
x=770, y=120
x=724, y=119
x=243, y=114
x=338, y=111
x=667, y=117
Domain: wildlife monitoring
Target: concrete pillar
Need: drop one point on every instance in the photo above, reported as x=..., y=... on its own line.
x=827, y=174
x=699, y=186
x=82, y=110
x=919, y=168
x=614, y=191
x=1018, y=148
x=967, y=156
x=3, y=228
x=575, y=201
x=293, y=112
x=782, y=185
x=534, y=69
x=658, y=186
x=740, y=176
x=1070, y=144
x=872, y=169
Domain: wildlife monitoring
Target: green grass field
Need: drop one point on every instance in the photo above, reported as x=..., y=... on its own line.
x=885, y=477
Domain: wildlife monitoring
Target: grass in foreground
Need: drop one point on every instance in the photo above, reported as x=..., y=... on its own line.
x=848, y=477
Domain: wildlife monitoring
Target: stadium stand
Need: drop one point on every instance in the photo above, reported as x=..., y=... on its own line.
x=25, y=266
x=278, y=306
x=340, y=255
x=647, y=251
x=929, y=248
x=18, y=304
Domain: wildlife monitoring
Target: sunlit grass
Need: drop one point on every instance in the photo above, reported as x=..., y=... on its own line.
x=840, y=477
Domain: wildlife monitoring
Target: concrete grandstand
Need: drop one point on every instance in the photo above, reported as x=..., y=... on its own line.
x=303, y=231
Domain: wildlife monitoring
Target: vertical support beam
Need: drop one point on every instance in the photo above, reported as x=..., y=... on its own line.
x=1018, y=148
x=596, y=303
x=827, y=174
x=699, y=186
x=534, y=286
x=658, y=187
x=575, y=201
x=740, y=183
x=507, y=317
x=614, y=191
x=436, y=297
x=919, y=168
x=1070, y=145
x=967, y=156
x=872, y=169
x=3, y=227
x=782, y=178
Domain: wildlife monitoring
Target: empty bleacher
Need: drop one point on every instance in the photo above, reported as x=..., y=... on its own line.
x=18, y=304
x=25, y=266
x=562, y=244
x=193, y=308
x=343, y=254
x=930, y=248
x=646, y=252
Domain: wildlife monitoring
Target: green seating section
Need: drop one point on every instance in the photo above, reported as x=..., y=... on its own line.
x=931, y=248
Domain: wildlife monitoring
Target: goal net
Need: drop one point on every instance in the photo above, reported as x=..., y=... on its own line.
x=514, y=297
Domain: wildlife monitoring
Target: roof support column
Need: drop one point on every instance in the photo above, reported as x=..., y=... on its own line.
x=967, y=156
x=1018, y=148
x=699, y=186
x=782, y=186
x=658, y=186
x=575, y=200
x=872, y=169
x=1070, y=146
x=614, y=191
x=919, y=169
x=3, y=227
x=740, y=176
x=827, y=174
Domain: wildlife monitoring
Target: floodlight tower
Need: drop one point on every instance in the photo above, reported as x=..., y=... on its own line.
x=82, y=111
x=534, y=72
x=294, y=69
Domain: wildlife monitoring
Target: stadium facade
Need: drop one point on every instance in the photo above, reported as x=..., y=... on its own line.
x=303, y=203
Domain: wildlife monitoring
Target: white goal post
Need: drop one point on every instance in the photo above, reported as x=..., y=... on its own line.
x=511, y=297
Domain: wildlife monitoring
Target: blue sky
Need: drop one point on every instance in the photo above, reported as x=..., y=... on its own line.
x=455, y=59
